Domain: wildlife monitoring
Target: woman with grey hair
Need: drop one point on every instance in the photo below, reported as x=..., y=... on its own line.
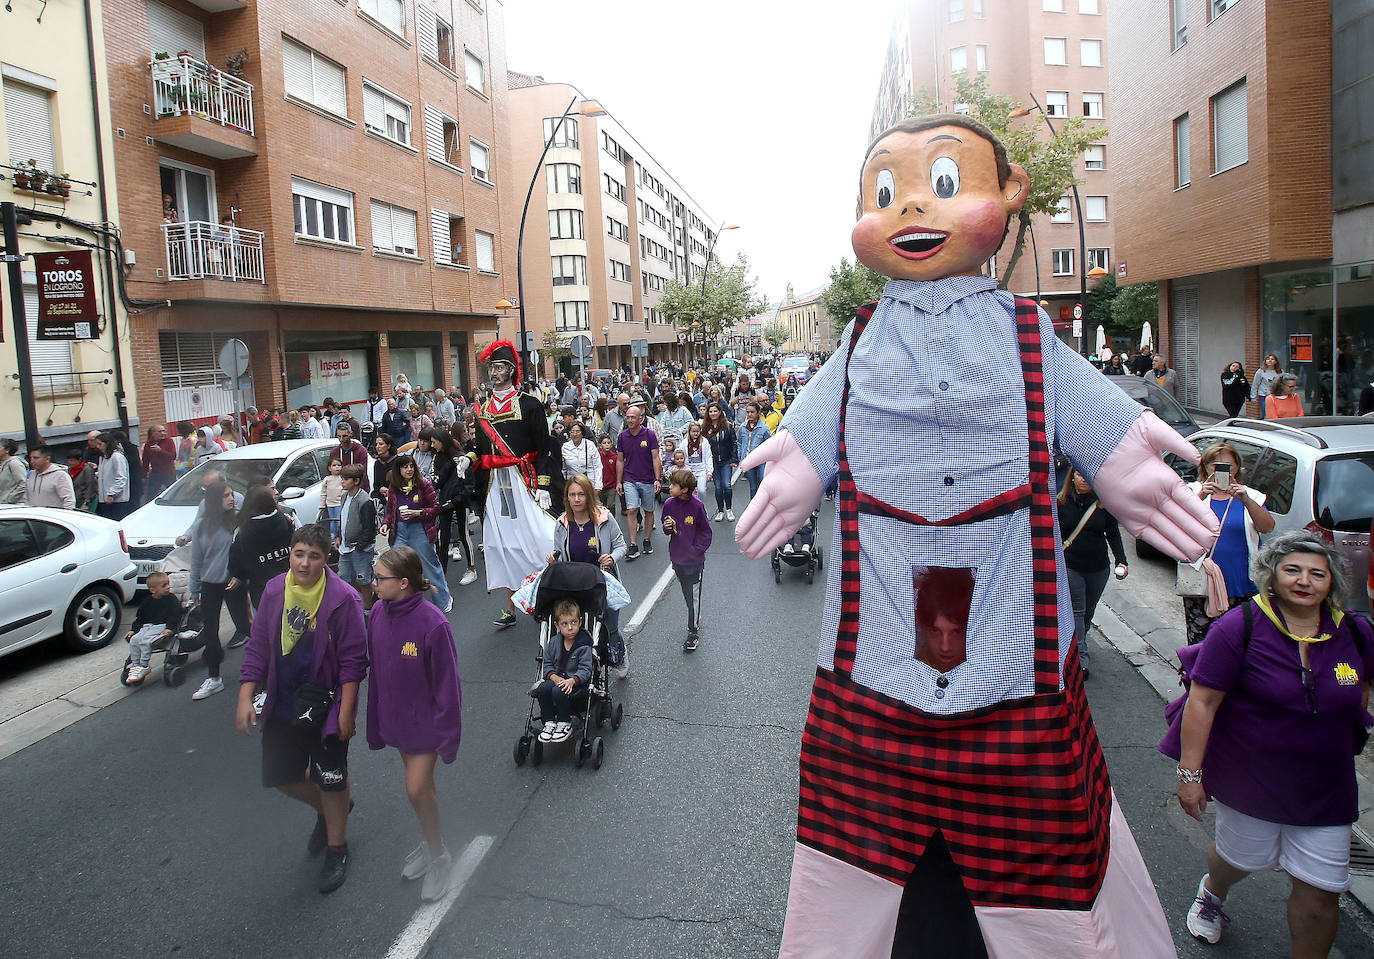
x=1285, y=400
x=1274, y=718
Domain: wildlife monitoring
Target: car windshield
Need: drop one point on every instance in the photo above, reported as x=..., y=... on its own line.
x=1161, y=404
x=795, y=361
x=1343, y=492
x=187, y=490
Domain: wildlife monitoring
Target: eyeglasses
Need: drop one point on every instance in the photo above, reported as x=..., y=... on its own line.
x=383, y=579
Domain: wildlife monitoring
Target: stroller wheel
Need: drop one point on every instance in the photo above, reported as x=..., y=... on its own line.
x=537, y=753
x=522, y=750
x=617, y=716
x=174, y=676
x=581, y=752
x=598, y=752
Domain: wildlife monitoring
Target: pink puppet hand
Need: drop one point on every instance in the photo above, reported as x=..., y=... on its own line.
x=789, y=492
x=1148, y=498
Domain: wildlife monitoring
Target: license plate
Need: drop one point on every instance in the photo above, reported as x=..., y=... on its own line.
x=145, y=567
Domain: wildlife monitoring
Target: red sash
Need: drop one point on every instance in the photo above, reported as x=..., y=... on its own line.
x=1019, y=789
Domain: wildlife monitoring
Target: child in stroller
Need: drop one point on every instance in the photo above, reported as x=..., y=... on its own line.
x=157, y=619
x=181, y=637
x=576, y=594
x=801, y=551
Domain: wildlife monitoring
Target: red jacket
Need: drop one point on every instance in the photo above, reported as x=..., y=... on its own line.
x=429, y=510
x=607, y=469
x=160, y=458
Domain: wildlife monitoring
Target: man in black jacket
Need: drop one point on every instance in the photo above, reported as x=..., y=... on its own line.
x=357, y=533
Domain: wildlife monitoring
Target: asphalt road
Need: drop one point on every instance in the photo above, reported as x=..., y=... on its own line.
x=142, y=830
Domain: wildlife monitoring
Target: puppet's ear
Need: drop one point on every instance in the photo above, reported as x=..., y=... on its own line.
x=1016, y=190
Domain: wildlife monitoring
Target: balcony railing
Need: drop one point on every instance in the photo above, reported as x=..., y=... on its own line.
x=200, y=250
x=185, y=86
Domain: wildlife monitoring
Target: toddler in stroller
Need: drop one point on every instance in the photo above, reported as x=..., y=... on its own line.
x=180, y=636
x=158, y=617
x=801, y=551
x=573, y=683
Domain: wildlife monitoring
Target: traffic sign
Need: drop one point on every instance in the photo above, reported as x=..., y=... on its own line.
x=233, y=359
x=1078, y=311
x=639, y=348
x=1077, y=327
x=581, y=346
x=534, y=357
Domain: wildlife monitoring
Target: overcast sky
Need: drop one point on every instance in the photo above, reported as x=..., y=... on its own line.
x=758, y=108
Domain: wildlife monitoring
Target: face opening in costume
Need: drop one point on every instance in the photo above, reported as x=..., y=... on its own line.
x=944, y=598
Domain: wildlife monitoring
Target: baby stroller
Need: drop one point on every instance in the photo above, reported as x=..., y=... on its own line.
x=185, y=638
x=800, y=552
x=593, y=705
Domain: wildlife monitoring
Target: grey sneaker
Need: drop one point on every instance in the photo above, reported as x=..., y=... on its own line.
x=209, y=688
x=437, y=877
x=1205, y=918
x=417, y=863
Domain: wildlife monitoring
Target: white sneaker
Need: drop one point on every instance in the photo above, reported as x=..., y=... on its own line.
x=1205, y=918
x=136, y=674
x=209, y=688
x=548, y=732
x=417, y=863
x=623, y=670
x=449, y=608
x=455, y=554
x=562, y=732
x=437, y=876
x=720, y=515
x=730, y=515
x=469, y=578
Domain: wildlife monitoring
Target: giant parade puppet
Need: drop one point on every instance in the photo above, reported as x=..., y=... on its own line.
x=954, y=797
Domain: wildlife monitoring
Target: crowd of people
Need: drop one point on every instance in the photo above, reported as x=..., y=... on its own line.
x=1274, y=390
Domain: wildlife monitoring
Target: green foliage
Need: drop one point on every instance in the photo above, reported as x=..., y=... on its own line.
x=1048, y=160
x=776, y=333
x=851, y=286
x=730, y=297
x=1133, y=307
x=552, y=348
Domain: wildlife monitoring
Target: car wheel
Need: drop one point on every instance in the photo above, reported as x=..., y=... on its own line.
x=92, y=619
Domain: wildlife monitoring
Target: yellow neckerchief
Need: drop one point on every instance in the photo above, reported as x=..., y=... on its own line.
x=1265, y=607
x=300, y=606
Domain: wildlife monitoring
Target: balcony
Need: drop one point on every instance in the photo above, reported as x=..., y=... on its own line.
x=199, y=250
x=202, y=109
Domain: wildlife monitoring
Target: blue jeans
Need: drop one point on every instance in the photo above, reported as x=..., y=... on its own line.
x=753, y=477
x=1085, y=589
x=411, y=533
x=720, y=476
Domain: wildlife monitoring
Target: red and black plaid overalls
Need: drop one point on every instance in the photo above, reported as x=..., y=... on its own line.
x=1019, y=789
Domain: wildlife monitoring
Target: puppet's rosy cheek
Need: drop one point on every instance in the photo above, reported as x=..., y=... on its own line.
x=870, y=240
x=982, y=224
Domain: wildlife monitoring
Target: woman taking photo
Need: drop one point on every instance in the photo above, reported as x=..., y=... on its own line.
x=112, y=478
x=1272, y=724
x=580, y=455
x=1087, y=531
x=211, y=539
x=720, y=434
x=1235, y=388
x=414, y=701
x=412, y=513
x=1243, y=519
x=1263, y=383
x=588, y=533
x=1284, y=401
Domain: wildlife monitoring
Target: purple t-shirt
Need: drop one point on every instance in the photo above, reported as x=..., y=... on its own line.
x=1269, y=755
x=639, y=454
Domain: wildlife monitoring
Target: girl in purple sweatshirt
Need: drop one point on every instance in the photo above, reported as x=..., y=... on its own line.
x=414, y=700
x=689, y=536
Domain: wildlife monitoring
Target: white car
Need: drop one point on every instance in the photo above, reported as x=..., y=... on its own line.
x=297, y=467
x=796, y=364
x=62, y=573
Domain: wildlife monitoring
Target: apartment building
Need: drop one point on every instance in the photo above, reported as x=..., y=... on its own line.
x=1055, y=50
x=809, y=324
x=1248, y=188
x=323, y=180
x=53, y=93
x=619, y=227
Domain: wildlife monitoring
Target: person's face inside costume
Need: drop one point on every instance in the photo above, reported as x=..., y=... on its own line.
x=499, y=374
x=931, y=206
x=943, y=605
x=945, y=642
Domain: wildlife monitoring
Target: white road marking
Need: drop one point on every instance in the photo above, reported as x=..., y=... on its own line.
x=422, y=926
x=645, y=608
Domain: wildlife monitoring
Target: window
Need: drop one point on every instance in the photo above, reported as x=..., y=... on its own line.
x=1095, y=157
x=565, y=225
x=1090, y=53
x=958, y=59
x=622, y=312
x=981, y=57
x=617, y=229
x=313, y=78
x=322, y=212
x=479, y=157
x=389, y=13
x=1057, y=103
x=566, y=135
x=978, y=9
x=1092, y=106
x=1063, y=212
x=1182, y=155
x=51, y=537
x=485, y=244
x=572, y=315
x=611, y=147
x=1088, y=6
x=614, y=188
x=1230, y=137
x=1277, y=474
x=28, y=118
x=620, y=271
x=1095, y=209
x=1052, y=6
x=447, y=231
x=1099, y=257
x=569, y=270
x=1056, y=51
x=564, y=177
x=1179, y=10
x=1221, y=6
x=441, y=137
x=385, y=114
x=476, y=71
x=50, y=360
x=956, y=11
x=17, y=542
x=436, y=37
x=1063, y=262
x=393, y=229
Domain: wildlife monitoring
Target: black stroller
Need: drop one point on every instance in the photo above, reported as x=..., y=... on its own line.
x=592, y=706
x=185, y=638
x=800, y=552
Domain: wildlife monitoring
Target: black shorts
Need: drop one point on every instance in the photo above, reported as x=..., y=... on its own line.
x=291, y=755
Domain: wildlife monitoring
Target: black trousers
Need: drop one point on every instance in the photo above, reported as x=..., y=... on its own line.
x=689, y=578
x=213, y=596
x=457, y=519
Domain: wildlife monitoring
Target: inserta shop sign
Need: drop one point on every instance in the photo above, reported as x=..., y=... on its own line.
x=66, y=296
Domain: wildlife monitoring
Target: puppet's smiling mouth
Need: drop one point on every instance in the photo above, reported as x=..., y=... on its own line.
x=918, y=243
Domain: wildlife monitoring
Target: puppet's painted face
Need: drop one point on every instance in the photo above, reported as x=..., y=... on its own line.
x=931, y=206
x=499, y=374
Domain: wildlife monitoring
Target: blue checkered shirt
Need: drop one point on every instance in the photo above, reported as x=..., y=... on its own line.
x=936, y=426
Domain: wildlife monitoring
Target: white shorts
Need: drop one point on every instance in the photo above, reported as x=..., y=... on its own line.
x=1318, y=855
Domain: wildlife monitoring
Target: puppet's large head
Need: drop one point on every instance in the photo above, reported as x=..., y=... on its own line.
x=935, y=198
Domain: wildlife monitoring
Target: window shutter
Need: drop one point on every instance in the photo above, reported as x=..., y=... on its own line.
x=46, y=356
x=382, y=236
x=296, y=70
x=393, y=14
x=429, y=34
x=486, y=253
x=171, y=31
x=438, y=228
x=1185, y=340
x=434, y=134
x=374, y=108
x=1183, y=150
x=403, y=229
x=1232, y=146
x=28, y=115
x=331, y=91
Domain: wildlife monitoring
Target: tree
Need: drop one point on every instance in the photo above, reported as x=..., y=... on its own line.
x=851, y=286
x=1049, y=161
x=776, y=333
x=1133, y=307
x=552, y=348
x=730, y=298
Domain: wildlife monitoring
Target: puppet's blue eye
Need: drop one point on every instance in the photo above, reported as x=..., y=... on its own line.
x=944, y=177
x=885, y=188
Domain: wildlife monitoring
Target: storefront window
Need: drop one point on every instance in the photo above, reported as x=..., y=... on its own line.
x=342, y=366
x=1317, y=320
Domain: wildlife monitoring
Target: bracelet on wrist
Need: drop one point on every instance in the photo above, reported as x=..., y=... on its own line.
x=1189, y=775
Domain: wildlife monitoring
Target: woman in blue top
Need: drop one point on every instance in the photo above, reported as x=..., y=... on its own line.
x=1243, y=517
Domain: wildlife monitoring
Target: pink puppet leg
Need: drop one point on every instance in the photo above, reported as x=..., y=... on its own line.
x=837, y=911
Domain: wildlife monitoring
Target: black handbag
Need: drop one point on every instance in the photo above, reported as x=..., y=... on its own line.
x=310, y=708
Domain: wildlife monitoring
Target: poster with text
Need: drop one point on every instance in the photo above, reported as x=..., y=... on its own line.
x=66, y=296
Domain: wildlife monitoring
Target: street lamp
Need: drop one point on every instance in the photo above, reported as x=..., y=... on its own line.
x=590, y=108
x=606, y=334
x=709, y=247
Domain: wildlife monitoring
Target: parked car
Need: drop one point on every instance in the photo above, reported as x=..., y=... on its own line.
x=62, y=573
x=1316, y=472
x=794, y=364
x=1159, y=401
x=296, y=466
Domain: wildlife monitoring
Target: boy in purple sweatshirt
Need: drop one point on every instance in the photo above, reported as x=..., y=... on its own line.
x=689, y=537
